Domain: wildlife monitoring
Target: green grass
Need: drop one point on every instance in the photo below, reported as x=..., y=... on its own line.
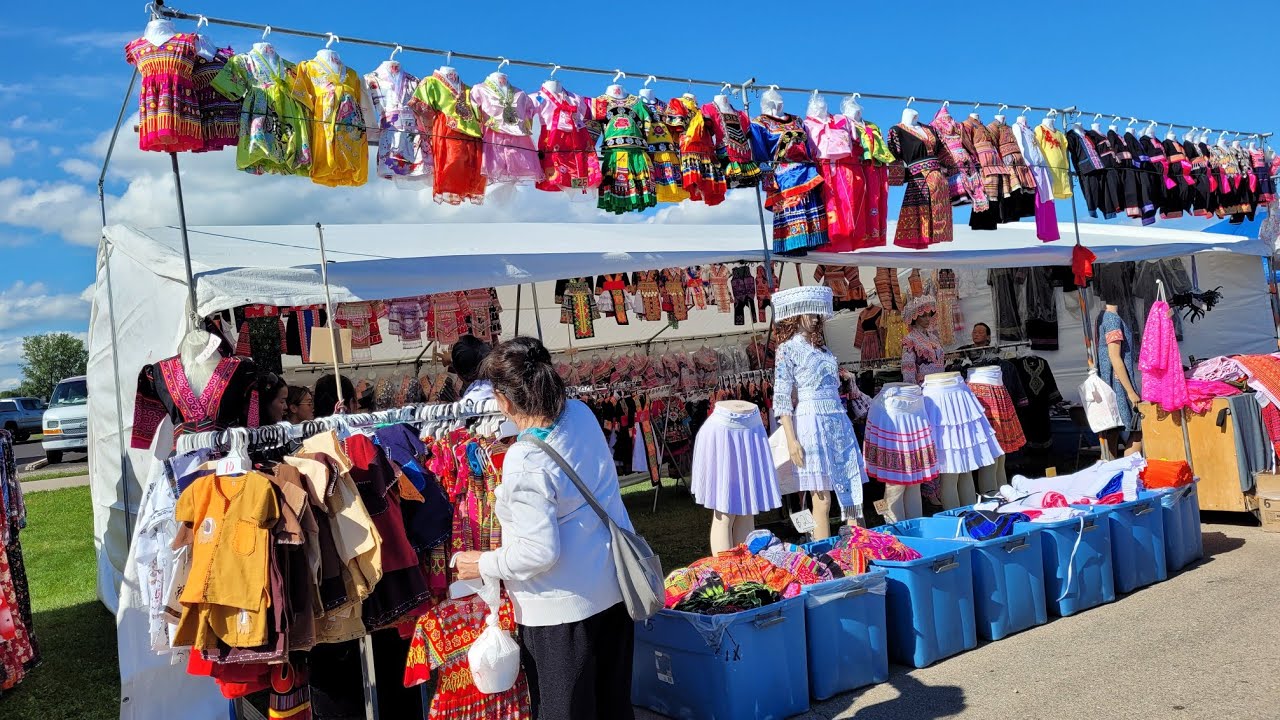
x=79, y=678
x=53, y=475
x=680, y=529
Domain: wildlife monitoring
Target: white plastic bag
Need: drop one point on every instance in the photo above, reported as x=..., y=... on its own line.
x=495, y=656
x=1101, y=406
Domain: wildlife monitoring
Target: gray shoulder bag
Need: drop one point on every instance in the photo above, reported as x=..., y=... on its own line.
x=639, y=569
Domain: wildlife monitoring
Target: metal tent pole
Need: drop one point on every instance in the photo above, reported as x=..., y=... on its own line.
x=186, y=243
x=111, y=310
x=764, y=233
x=519, y=292
x=537, y=310
x=333, y=322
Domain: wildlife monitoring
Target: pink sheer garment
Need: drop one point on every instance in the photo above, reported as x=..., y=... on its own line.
x=1200, y=393
x=1162, y=380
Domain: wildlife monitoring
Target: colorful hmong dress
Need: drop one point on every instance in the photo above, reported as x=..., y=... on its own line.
x=456, y=145
x=404, y=152
x=664, y=156
x=509, y=155
x=843, y=184
x=168, y=111
x=275, y=131
x=567, y=149
x=627, y=182
x=1023, y=183
x=962, y=171
x=731, y=134
x=646, y=284
x=876, y=160
x=703, y=177
x=441, y=641
x=339, y=145
x=925, y=217
x=791, y=184
x=219, y=116
x=580, y=309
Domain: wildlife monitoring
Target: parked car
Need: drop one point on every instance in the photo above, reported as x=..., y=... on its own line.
x=66, y=422
x=21, y=416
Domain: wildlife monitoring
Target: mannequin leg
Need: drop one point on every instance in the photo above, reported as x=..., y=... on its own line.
x=1002, y=478
x=949, y=489
x=912, y=503
x=894, y=501
x=965, y=490
x=1135, y=444
x=721, y=532
x=988, y=480
x=902, y=502
x=743, y=525
x=821, y=514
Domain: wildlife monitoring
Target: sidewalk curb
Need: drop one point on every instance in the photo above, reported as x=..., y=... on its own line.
x=55, y=484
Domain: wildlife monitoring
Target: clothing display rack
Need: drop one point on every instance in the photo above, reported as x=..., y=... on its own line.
x=436, y=419
x=890, y=363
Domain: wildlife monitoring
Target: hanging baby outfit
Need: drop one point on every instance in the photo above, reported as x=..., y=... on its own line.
x=507, y=112
x=565, y=147
x=457, y=149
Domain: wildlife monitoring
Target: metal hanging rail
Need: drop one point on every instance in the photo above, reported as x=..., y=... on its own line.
x=175, y=14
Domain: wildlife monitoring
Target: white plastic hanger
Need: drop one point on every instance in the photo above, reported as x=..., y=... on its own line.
x=646, y=92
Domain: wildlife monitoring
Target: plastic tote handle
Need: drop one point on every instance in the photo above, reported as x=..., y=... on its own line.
x=1088, y=526
x=855, y=592
x=942, y=565
x=1143, y=510
x=1017, y=546
x=768, y=620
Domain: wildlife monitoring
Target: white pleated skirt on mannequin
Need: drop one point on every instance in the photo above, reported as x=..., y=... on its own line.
x=733, y=470
x=963, y=436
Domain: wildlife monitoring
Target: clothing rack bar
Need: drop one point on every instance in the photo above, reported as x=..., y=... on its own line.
x=175, y=14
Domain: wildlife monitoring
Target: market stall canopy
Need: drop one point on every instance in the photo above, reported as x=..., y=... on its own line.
x=1016, y=245
x=280, y=264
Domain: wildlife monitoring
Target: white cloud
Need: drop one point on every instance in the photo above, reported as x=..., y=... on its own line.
x=9, y=383
x=10, y=351
x=64, y=208
x=26, y=304
x=82, y=169
x=26, y=123
x=7, y=152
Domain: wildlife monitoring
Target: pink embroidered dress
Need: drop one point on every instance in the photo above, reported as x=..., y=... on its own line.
x=507, y=115
x=567, y=150
x=168, y=109
x=843, y=184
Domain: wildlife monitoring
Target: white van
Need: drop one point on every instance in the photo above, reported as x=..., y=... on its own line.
x=66, y=422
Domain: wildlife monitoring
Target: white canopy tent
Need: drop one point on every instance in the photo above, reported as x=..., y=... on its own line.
x=139, y=316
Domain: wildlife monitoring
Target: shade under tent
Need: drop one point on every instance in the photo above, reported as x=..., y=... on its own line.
x=139, y=310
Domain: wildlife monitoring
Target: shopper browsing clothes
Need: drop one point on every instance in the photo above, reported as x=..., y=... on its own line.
x=1115, y=367
x=555, y=559
x=301, y=405
x=326, y=396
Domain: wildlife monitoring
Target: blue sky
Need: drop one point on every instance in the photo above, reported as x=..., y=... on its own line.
x=65, y=75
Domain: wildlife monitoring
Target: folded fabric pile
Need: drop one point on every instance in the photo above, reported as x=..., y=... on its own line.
x=860, y=546
x=1159, y=474
x=729, y=582
x=990, y=524
x=792, y=558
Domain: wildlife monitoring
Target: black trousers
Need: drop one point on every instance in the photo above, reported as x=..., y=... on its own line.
x=581, y=670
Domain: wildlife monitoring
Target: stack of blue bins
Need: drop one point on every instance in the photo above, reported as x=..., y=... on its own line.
x=1137, y=541
x=845, y=621
x=1008, y=573
x=751, y=664
x=1183, y=542
x=929, y=601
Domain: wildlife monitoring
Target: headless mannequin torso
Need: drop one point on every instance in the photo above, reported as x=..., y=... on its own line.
x=200, y=357
x=956, y=489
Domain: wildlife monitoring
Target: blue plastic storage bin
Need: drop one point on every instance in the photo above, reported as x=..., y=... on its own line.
x=1183, y=543
x=1078, y=572
x=1137, y=542
x=929, y=603
x=751, y=664
x=1008, y=574
x=845, y=621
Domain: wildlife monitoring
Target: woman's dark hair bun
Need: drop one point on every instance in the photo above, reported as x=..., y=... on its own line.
x=521, y=370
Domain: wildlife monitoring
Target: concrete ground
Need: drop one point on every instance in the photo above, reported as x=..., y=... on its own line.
x=1203, y=644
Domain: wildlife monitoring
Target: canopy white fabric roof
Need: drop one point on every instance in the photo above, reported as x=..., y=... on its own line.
x=139, y=317
x=279, y=264
x=1016, y=245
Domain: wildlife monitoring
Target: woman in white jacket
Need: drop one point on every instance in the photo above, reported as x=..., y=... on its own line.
x=555, y=561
